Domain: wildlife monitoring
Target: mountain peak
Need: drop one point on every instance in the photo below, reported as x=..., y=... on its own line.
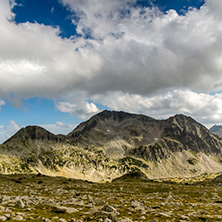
x=182, y=120
x=109, y=119
x=180, y=117
x=33, y=133
x=116, y=115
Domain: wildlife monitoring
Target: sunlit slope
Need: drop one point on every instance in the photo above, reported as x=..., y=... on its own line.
x=111, y=144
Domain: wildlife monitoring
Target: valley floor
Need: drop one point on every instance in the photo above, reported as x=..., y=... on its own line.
x=42, y=198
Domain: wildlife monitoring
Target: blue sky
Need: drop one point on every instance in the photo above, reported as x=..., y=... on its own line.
x=53, y=13
x=48, y=12
x=64, y=61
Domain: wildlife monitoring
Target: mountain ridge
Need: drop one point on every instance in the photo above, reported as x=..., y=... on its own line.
x=36, y=132
x=111, y=144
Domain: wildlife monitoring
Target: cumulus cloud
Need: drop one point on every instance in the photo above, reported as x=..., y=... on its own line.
x=136, y=59
x=82, y=109
x=98, y=17
x=144, y=50
x=135, y=50
x=35, y=61
x=206, y=108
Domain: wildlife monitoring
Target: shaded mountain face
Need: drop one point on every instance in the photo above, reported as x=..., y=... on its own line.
x=33, y=133
x=29, y=146
x=111, y=144
x=113, y=126
x=217, y=130
x=142, y=136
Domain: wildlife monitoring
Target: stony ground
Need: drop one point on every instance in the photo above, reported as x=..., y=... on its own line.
x=41, y=198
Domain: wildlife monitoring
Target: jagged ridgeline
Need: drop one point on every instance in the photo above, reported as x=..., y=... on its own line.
x=112, y=144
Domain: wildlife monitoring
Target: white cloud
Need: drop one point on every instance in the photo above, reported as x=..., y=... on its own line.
x=135, y=50
x=203, y=107
x=59, y=127
x=5, y=10
x=2, y=103
x=144, y=50
x=35, y=61
x=82, y=109
x=14, y=126
x=61, y=124
x=8, y=130
x=136, y=54
x=98, y=17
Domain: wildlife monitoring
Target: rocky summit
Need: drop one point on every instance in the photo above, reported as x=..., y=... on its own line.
x=113, y=144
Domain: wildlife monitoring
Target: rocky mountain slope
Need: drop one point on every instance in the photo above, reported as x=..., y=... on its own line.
x=111, y=144
x=217, y=130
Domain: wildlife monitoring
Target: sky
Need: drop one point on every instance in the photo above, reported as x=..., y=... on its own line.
x=62, y=61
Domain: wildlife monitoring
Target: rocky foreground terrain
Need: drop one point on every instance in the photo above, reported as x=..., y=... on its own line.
x=57, y=199
x=116, y=167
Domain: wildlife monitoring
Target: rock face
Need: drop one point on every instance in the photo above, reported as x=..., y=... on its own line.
x=143, y=136
x=111, y=144
x=110, y=125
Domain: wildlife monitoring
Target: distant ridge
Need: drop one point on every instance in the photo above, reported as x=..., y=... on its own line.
x=217, y=130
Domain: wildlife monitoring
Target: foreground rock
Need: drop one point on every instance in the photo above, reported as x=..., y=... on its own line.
x=64, y=200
